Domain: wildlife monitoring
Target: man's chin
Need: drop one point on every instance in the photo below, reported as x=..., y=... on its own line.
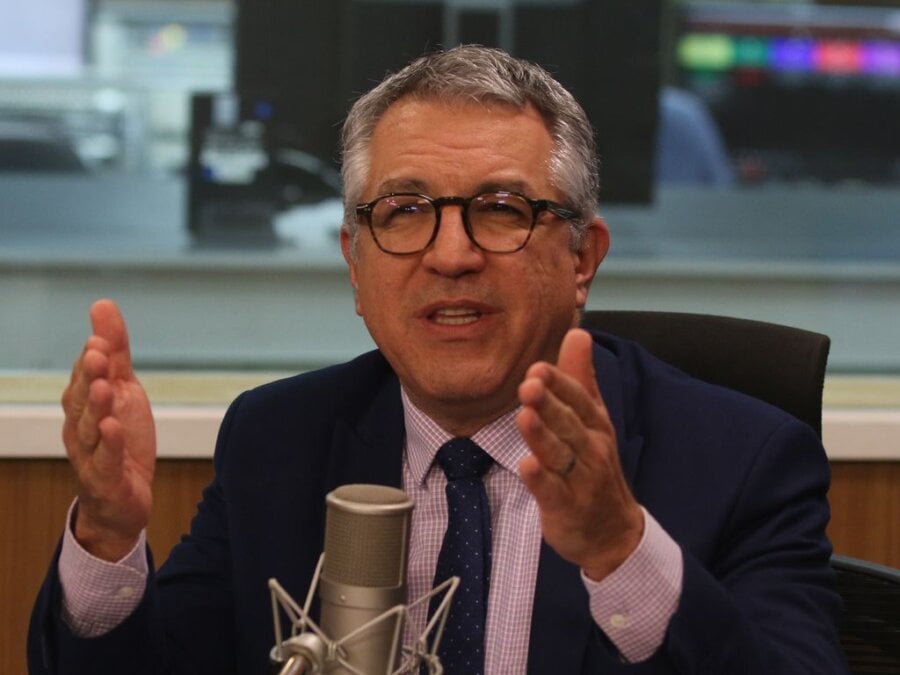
x=467, y=398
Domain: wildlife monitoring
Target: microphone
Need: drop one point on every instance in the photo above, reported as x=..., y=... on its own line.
x=364, y=574
x=361, y=581
x=361, y=584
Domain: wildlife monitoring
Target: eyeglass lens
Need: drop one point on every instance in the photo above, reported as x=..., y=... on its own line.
x=405, y=223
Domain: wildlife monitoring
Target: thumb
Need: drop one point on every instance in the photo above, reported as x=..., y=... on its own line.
x=109, y=324
x=576, y=359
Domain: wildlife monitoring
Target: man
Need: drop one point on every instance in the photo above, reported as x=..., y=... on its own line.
x=640, y=520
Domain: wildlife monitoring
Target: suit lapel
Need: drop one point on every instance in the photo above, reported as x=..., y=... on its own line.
x=367, y=443
x=616, y=391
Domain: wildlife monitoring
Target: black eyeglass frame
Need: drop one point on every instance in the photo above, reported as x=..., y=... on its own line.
x=538, y=206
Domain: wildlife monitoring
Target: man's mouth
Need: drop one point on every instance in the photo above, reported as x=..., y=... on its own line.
x=455, y=316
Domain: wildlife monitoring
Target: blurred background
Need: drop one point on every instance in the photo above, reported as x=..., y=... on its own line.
x=180, y=156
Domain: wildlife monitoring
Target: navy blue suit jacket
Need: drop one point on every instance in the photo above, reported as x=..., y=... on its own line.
x=740, y=485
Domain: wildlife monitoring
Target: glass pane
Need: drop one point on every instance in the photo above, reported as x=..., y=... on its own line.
x=140, y=157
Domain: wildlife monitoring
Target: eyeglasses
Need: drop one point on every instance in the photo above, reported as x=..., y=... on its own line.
x=498, y=222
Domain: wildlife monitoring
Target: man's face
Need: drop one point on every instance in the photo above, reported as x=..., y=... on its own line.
x=461, y=326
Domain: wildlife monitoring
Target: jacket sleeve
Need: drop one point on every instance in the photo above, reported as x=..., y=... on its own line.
x=764, y=600
x=53, y=649
x=185, y=611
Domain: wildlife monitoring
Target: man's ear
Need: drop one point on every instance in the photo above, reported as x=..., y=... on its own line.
x=594, y=247
x=350, y=257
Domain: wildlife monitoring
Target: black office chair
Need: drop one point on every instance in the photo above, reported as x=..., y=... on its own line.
x=782, y=365
x=870, y=622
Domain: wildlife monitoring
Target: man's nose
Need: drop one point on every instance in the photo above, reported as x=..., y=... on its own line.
x=452, y=252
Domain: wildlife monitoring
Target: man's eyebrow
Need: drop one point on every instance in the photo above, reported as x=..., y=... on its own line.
x=416, y=185
x=402, y=185
x=503, y=186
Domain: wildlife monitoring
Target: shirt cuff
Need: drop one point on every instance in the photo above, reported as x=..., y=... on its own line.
x=635, y=603
x=99, y=595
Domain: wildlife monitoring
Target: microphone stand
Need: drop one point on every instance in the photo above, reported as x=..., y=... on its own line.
x=309, y=650
x=308, y=654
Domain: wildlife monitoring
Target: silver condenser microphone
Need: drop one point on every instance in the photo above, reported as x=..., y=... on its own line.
x=361, y=585
x=364, y=573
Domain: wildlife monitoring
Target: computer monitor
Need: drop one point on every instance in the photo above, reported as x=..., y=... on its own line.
x=243, y=169
x=318, y=56
x=800, y=92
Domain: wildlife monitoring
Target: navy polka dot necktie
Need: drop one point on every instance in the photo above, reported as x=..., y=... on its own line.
x=466, y=553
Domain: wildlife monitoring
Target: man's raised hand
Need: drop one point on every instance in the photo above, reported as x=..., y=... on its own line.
x=110, y=439
x=588, y=514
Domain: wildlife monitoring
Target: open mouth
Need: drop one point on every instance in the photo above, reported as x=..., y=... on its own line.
x=455, y=316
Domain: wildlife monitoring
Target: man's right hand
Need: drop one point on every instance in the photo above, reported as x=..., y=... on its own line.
x=110, y=439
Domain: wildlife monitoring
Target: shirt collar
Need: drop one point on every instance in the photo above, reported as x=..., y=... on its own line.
x=500, y=439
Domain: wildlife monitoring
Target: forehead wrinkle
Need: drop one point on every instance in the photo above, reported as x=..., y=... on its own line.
x=402, y=185
x=441, y=159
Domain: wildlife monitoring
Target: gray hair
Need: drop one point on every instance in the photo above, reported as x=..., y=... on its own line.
x=485, y=75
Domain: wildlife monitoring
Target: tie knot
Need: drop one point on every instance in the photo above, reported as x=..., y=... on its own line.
x=463, y=458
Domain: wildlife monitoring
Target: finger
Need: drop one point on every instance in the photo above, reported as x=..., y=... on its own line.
x=109, y=324
x=554, y=451
x=576, y=359
x=553, y=430
x=549, y=491
x=573, y=380
x=85, y=369
x=562, y=401
x=110, y=451
x=87, y=429
x=92, y=364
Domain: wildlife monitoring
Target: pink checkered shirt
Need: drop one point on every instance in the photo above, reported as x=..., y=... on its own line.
x=632, y=606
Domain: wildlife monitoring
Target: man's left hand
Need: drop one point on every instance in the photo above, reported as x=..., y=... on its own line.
x=588, y=514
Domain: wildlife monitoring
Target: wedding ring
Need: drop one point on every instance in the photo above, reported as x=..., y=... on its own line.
x=568, y=468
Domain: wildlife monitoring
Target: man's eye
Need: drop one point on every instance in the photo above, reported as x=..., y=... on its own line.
x=401, y=209
x=503, y=208
x=403, y=213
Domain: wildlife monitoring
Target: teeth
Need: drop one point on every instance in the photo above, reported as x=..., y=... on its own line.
x=454, y=316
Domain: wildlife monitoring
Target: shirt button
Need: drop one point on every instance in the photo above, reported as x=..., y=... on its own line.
x=125, y=592
x=618, y=621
